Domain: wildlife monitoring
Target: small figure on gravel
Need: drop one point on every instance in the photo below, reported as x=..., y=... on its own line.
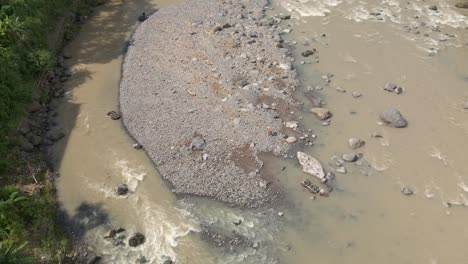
x=143, y=17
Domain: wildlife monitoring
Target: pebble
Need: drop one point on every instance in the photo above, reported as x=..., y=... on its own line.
x=393, y=88
x=255, y=245
x=341, y=90
x=341, y=170
x=356, y=94
x=407, y=191
x=280, y=213
x=350, y=157
x=291, y=140
x=122, y=189
x=355, y=143
x=321, y=113
x=205, y=157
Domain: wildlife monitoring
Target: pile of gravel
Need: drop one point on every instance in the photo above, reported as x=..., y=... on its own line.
x=213, y=71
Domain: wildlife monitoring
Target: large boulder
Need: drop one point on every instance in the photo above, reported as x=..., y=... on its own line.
x=394, y=118
x=310, y=165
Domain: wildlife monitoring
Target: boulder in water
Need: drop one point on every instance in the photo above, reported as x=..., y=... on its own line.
x=394, y=118
x=321, y=113
x=136, y=240
x=310, y=165
x=122, y=189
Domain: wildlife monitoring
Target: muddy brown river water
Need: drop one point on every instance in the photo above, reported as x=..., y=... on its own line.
x=366, y=219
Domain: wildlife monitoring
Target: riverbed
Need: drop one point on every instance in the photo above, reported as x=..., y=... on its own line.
x=365, y=219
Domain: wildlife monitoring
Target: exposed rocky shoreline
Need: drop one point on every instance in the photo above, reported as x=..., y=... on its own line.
x=207, y=86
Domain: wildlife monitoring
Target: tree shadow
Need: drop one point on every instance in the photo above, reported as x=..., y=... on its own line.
x=87, y=217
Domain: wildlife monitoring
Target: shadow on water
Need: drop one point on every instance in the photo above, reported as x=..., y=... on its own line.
x=87, y=217
x=101, y=40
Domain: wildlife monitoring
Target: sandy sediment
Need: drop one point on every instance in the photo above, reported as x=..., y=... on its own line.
x=214, y=70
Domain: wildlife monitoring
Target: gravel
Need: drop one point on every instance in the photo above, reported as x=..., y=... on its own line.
x=187, y=77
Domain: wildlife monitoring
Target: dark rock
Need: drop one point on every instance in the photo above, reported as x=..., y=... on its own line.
x=217, y=29
x=285, y=17
x=136, y=240
x=27, y=146
x=433, y=7
x=142, y=259
x=137, y=146
x=394, y=118
x=122, y=189
x=35, y=140
x=463, y=4
x=237, y=222
x=142, y=17
x=114, y=115
x=111, y=233
x=198, y=143
x=308, y=53
x=94, y=260
x=407, y=191
x=168, y=261
x=117, y=242
x=227, y=25
x=120, y=230
x=55, y=134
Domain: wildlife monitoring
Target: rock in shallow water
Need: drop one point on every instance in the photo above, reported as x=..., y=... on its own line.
x=122, y=189
x=136, y=240
x=407, y=191
x=355, y=143
x=321, y=113
x=463, y=4
x=310, y=165
x=394, y=118
x=350, y=157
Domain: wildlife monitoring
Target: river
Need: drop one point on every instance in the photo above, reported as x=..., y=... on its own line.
x=367, y=218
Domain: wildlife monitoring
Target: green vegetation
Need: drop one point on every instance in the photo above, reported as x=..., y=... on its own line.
x=27, y=228
x=28, y=231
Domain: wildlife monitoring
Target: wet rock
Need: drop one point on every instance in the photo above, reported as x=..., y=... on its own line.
x=393, y=88
x=356, y=94
x=114, y=115
x=313, y=188
x=168, y=261
x=94, y=260
x=117, y=242
x=355, y=143
x=136, y=240
x=433, y=8
x=111, y=233
x=237, y=222
x=120, y=230
x=25, y=128
x=55, y=134
x=463, y=4
x=350, y=157
x=35, y=140
x=310, y=165
x=291, y=140
x=394, y=118
x=27, y=146
x=122, y=189
x=137, y=146
x=198, y=143
x=321, y=113
x=308, y=53
x=285, y=17
x=341, y=170
x=341, y=90
x=142, y=259
x=407, y=191
x=142, y=17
